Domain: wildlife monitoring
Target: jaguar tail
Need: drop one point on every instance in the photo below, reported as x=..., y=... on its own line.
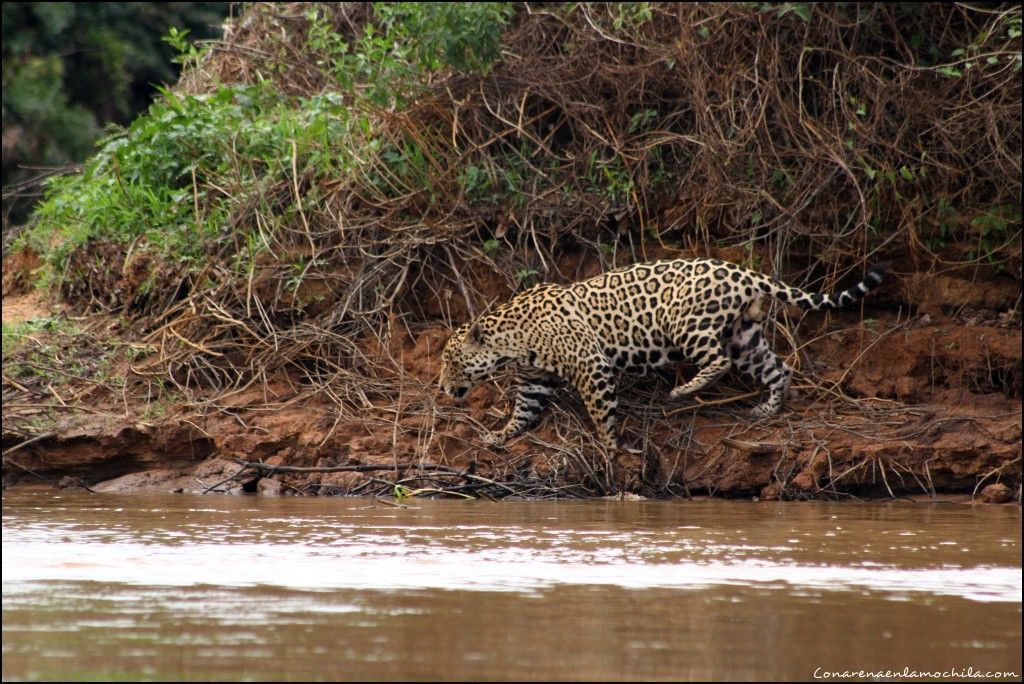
x=816, y=301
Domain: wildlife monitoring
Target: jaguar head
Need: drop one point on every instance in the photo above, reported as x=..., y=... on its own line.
x=466, y=360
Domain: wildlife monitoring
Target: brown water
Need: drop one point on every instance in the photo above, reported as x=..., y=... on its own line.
x=182, y=587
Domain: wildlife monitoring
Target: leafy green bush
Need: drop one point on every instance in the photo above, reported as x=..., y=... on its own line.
x=175, y=174
x=461, y=35
x=405, y=40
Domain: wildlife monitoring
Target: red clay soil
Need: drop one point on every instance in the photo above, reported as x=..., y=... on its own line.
x=895, y=406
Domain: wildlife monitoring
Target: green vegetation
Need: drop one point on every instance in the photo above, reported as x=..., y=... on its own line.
x=173, y=177
x=384, y=64
x=44, y=349
x=525, y=275
x=173, y=182
x=996, y=229
x=14, y=333
x=69, y=68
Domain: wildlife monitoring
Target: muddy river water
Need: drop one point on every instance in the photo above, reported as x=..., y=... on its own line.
x=186, y=587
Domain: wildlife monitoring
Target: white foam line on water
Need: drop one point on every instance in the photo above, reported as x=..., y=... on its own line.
x=509, y=569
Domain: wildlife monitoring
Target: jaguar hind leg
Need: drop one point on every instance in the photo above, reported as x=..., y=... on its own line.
x=700, y=338
x=751, y=354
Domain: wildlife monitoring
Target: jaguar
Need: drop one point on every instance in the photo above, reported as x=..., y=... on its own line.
x=632, y=319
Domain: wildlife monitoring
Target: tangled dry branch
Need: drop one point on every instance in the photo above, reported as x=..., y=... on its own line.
x=810, y=147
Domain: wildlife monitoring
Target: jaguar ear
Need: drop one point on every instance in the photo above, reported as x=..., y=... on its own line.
x=475, y=336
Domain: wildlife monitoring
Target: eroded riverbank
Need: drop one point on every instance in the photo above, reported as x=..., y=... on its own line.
x=925, y=409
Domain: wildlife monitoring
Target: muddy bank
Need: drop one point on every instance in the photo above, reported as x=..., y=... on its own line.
x=888, y=406
x=923, y=450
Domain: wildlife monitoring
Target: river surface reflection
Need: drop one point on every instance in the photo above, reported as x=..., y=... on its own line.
x=184, y=587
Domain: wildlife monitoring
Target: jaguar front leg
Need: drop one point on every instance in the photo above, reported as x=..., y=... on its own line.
x=533, y=396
